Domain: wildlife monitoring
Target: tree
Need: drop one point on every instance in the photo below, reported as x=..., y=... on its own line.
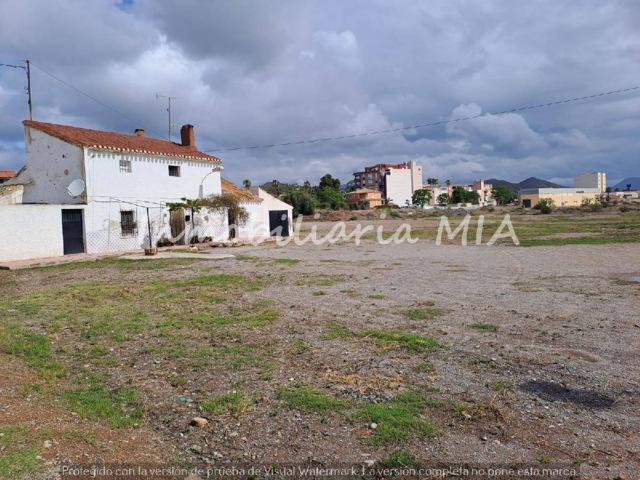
x=443, y=199
x=327, y=181
x=421, y=197
x=246, y=183
x=545, y=205
x=238, y=215
x=503, y=195
x=458, y=195
x=301, y=199
x=432, y=181
x=330, y=198
x=193, y=206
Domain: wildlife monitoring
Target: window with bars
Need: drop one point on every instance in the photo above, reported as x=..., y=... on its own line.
x=174, y=170
x=125, y=166
x=128, y=225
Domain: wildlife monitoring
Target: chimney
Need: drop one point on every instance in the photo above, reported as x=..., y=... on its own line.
x=139, y=132
x=188, y=136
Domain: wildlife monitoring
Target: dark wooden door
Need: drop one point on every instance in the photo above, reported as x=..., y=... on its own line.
x=176, y=221
x=72, y=231
x=279, y=223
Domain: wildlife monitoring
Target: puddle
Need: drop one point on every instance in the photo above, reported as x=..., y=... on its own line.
x=554, y=392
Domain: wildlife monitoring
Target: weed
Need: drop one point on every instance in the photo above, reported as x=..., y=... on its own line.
x=118, y=407
x=319, y=293
x=426, y=312
x=501, y=386
x=286, y=261
x=298, y=347
x=235, y=403
x=309, y=399
x=397, y=420
x=485, y=327
x=337, y=330
x=425, y=367
x=399, y=459
x=34, y=349
x=410, y=341
x=376, y=296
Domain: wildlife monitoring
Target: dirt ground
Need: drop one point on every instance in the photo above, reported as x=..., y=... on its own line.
x=518, y=356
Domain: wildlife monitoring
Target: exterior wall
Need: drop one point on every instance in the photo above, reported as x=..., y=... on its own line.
x=416, y=176
x=52, y=165
x=592, y=180
x=36, y=231
x=398, y=186
x=149, y=178
x=11, y=194
x=269, y=202
x=103, y=230
x=254, y=227
x=561, y=198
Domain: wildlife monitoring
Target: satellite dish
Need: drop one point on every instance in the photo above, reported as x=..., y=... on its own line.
x=76, y=188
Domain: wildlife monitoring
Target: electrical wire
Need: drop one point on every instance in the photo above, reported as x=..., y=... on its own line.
x=428, y=124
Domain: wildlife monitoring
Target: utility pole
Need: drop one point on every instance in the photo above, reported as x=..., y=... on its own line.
x=169, y=98
x=27, y=70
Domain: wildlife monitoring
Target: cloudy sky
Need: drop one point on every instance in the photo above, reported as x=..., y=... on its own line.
x=251, y=72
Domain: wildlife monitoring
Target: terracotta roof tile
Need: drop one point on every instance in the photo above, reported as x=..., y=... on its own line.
x=112, y=141
x=239, y=193
x=7, y=174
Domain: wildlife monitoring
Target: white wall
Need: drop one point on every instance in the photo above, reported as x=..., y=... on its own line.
x=269, y=202
x=149, y=178
x=399, y=186
x=104, y=230
x=30, y=231
x=254, y=227
x=51, y=166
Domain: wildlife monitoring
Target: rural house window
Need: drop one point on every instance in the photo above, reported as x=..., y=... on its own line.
x=174, y=170
x=125, y=166
x=128, y=225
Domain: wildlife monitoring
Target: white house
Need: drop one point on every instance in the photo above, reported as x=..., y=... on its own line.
x=101, y=192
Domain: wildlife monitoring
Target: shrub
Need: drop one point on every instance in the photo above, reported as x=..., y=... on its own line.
x=545, y=205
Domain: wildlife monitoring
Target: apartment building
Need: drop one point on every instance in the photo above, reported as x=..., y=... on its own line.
x=396, y=182
x=592, y=180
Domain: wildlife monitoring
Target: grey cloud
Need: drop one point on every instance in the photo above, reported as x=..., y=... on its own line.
x=254, y=72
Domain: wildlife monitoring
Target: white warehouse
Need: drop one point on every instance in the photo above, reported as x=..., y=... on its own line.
x=91, y=191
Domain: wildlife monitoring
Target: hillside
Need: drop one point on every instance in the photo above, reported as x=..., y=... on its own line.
x=633, y=181
x=531, y=182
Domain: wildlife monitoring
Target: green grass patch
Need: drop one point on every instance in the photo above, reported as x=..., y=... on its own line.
x=586, y=240
x=286, y=261
x=120, y=407
x=410, y=341
x=309, y=399
x=18, y=454
x=376, y=296
x=485, y=327
x=397, y=420
x=34, y=349
x=501, y=386
x=337, y=330
x=399, y=459
x=319, y=293
x=234, y=403
x=425, y=367
x=426, y=312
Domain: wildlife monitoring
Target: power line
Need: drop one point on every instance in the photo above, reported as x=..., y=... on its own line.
x=428, y=124
x=91, y=97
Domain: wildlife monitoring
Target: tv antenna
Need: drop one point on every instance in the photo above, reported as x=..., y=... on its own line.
x=27, y=68
x=169, y=98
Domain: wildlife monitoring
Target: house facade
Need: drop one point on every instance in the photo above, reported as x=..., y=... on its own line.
x=102, y=192
x=395, y=182
x=364, y=198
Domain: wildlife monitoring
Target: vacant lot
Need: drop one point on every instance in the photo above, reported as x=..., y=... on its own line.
x=394, y=354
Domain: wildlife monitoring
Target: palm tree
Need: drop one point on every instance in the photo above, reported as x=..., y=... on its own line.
x=246, y=183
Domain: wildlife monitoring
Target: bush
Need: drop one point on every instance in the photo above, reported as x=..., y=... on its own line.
x=545, y=205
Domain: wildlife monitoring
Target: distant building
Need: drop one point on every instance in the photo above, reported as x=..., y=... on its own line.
x=6, y=175
x=364, y=198
x=396, y=182
x=483, y=190
x=592, y=180
x=562, y=197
